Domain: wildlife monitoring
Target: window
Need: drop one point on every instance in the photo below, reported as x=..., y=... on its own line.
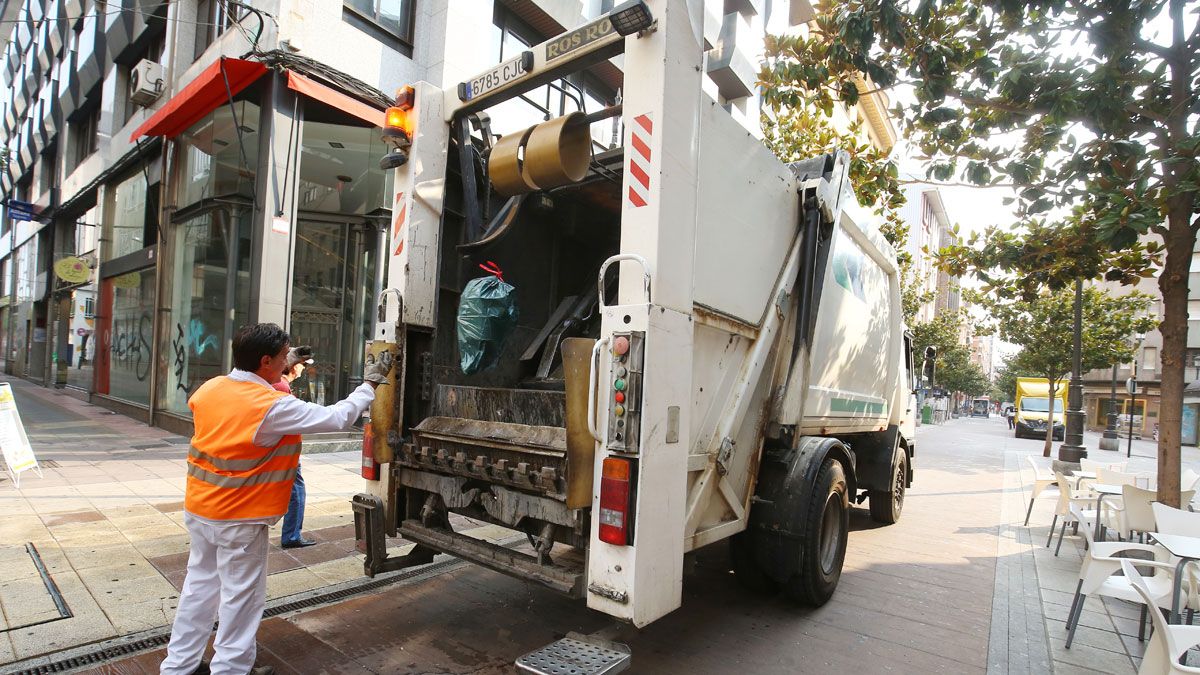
x=85, y=131
x=393, y=18
x=1193, y=310
x=213, y=17
x=1149, y=359
x=47, y=169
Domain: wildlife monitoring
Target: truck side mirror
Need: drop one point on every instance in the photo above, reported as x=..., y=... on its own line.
x=930, y=359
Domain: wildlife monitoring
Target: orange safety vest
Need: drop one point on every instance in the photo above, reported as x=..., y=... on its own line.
x=229, y=477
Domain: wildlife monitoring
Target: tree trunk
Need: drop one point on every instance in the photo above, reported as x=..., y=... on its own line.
x=1050, y=417
x=1180, y=242
x=1173, y=284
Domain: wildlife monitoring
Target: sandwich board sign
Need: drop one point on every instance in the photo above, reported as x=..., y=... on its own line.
x=14, y=444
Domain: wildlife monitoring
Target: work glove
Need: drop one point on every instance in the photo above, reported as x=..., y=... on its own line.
x=301, y=354
x=378, y=367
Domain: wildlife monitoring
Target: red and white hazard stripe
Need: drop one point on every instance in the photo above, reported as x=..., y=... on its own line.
x=398, y=233
x=641, y=134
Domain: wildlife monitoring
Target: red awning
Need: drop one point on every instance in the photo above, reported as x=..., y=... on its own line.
x=201, y=96
x=335, y=98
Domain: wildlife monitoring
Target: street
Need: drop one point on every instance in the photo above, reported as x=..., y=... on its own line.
x=923, y=595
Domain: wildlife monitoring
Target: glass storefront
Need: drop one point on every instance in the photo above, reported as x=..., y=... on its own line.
x=332, y=284
x=209, y=295
x=82, y=351
x=127, y=221
x=125, y=360
x=216, y=160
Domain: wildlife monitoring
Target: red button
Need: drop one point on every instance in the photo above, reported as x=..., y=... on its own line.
x=621, y=346
x=619, y=397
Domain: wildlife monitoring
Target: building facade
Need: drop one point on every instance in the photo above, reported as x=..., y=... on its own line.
x=1140, y=412
x=194, y=165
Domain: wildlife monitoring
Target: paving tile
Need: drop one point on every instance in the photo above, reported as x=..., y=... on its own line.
x=153, y=543
x=1086, y=635
x=333, y=533
x=22, y=529
x=84, y=557
x=59, y=519
x=170, y=563
x=1097, y=660
x=279, y=561
x=312, y=555
x=24, y=599
x=291, y=582
x=168, y=507
x=340, y=570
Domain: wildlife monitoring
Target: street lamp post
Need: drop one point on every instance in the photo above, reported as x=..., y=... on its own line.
x=1112, y=437
x=1072, y=449
x=1132, y=386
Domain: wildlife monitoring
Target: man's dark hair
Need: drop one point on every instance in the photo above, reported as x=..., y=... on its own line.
x=252, y=342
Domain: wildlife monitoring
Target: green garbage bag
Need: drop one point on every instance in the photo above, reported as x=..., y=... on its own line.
x=487, y=314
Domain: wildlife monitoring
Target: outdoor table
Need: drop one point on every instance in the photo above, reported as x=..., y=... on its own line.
x=1187, y=549
x=1102, y=490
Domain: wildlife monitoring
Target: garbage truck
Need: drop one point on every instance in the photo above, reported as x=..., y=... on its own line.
x=708, y=344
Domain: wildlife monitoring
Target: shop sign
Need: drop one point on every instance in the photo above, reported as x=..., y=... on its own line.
x=128, y=281
x=72, y=270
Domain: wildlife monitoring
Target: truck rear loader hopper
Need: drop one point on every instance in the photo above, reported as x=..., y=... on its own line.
x=710, y=344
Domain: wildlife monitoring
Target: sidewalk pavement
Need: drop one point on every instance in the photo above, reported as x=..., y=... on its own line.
x=106, y=520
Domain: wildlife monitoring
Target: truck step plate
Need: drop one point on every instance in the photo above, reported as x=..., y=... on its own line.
x=576, y=655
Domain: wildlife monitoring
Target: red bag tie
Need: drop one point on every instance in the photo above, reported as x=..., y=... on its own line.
x=492, y=268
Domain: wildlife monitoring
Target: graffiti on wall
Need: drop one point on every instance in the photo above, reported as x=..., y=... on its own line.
x=195, y=342
x=130, y=346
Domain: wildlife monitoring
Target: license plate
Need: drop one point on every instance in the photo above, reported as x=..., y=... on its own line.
x=496, y=77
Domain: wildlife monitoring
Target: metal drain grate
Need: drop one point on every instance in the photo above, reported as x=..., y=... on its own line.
x=576, y=655
x=104, y=654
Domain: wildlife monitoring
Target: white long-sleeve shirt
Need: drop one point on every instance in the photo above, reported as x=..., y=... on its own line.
x=291, y=415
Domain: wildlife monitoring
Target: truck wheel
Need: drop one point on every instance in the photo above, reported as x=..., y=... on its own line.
x=748, y=572
x=823, y=548
x=886, y=505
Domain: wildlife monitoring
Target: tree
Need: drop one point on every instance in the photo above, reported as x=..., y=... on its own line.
x=1072, y=103
x=957, y=373
x=1005, y=386
x=1044, y=326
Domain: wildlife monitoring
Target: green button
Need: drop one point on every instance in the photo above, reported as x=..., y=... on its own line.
x=619, y=385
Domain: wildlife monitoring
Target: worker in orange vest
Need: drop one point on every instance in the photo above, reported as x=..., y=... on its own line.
x=241, y=465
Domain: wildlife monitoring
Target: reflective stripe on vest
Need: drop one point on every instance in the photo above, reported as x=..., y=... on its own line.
x=240, y=482
x=229, y=476
x=242, y=464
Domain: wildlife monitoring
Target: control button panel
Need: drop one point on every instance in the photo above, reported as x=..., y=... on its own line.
x=624, y=391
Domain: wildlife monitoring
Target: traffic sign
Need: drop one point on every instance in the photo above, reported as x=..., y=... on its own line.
x=1131, y=386
x=19, y=210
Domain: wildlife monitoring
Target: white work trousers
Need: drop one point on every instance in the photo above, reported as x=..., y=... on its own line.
x=226, y=580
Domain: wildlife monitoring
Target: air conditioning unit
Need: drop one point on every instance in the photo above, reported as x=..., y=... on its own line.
x=145, y=82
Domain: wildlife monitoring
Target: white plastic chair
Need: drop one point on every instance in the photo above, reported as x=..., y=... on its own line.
x=1042, y=479
x=1187, y=479
x=1068, y=497
x=1098, y=576
x=1111, y=477
x=1170, y=520
x=1135, y=513
x=1169, y=642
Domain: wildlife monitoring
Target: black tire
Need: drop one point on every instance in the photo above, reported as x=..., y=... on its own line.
x=886, y=505
x=745, y=568
x=823, y=549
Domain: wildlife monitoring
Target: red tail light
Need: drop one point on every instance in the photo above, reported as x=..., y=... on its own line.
x=615, y=500
x=370, y=468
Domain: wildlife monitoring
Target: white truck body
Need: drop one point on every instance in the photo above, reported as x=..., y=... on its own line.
x=715, y=248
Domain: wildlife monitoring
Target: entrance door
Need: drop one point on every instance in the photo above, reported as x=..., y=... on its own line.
x=333, y=273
